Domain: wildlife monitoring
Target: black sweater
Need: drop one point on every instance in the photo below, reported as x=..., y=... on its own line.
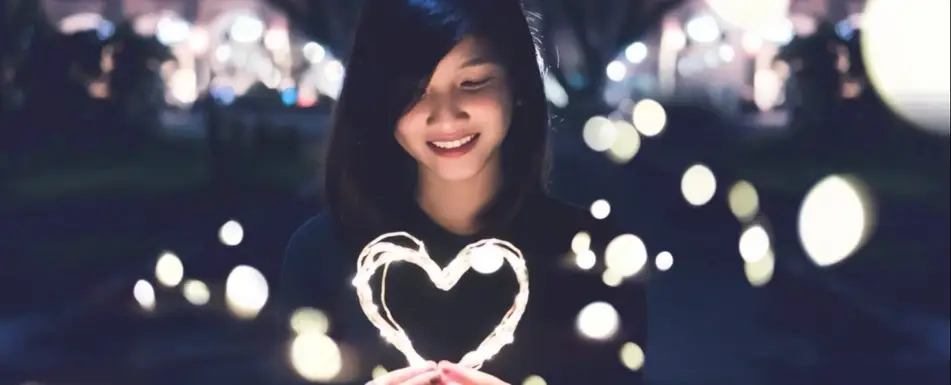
x=318, y=268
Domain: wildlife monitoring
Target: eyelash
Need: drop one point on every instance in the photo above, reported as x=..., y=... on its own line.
x=475, y=85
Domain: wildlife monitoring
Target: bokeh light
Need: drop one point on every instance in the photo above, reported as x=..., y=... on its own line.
x=314, y=52
x=246, y=291
x=585, y=259
x=698, y=185
x=754, y=243
x=581, y=242
x=611, y=278
x=144, y=294
x=599, y=133
x=907, y=52
x=616, y=70
x=664, y=261
x=316, y=357
x=534, y=380
x=196, y=292
x=703, y=29
x=598, y=321
x=767, y=89
x=649, y=117
x=307, y=319
x=750, y=15
x=600, y=209
x=632, y=356
x=246, y=28
x=169, y=269
x=636, y=52
x=760, y=272
x=627, y=142
x=835, y=219
x=743, y=200
x=378, y=371
x=231, y=233
x=626, y=255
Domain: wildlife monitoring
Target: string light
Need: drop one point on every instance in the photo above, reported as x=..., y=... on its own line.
x=381, y=253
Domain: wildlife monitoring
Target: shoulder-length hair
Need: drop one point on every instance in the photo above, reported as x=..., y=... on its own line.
x=370, y=179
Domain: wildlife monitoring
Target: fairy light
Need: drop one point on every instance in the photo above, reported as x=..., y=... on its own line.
x=381, y=253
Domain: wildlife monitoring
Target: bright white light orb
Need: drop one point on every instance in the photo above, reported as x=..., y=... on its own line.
x=246, y=291
x=144, y=294
x=698, y=185
x=907, y=51
x=231, y=233
x=169, y=270
x=626, y=255
x=598, y=321
x=316, y=357
x=196, y=292
x=835, y=219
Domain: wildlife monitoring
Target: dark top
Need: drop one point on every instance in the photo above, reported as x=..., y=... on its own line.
x=445, y=325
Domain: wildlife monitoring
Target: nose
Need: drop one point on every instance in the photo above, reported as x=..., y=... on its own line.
x=446, y=112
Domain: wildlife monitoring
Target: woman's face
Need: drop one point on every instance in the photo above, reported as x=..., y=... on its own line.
x=456, y=128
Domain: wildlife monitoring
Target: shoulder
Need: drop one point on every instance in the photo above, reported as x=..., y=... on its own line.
x=312, y=234
x=314, y=264
x=315, y=248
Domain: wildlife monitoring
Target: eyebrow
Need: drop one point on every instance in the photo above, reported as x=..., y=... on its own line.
x=477, y=61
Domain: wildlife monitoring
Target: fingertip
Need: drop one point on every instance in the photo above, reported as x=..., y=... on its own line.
x=425, y=378
x=423, y=367
x=450, y=371
x=434, y=377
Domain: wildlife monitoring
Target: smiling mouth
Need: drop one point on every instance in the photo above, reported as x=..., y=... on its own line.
x=453, y=148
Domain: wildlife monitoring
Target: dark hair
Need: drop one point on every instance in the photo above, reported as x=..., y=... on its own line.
x=370, y=179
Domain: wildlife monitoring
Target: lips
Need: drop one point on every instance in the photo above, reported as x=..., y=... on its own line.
x=453, y=148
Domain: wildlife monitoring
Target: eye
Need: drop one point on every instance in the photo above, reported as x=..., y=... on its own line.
x=474, y=85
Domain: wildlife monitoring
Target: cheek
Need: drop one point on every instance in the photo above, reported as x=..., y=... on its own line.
x=410, y=128
x=492, y=111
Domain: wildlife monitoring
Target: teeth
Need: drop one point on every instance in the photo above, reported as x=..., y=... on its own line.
x=453, y=143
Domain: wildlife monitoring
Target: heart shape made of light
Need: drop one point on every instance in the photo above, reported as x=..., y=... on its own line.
x=381, y=253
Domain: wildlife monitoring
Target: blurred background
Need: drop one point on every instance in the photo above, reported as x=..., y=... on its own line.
x=791, y=155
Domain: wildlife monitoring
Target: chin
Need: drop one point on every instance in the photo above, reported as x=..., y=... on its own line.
x=456, y=173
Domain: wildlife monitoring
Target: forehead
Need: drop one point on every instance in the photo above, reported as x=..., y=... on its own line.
x=468, y=50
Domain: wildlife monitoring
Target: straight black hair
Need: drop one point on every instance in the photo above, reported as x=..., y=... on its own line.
x=370, y=179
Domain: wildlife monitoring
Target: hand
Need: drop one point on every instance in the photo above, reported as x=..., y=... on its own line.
x=414, y=375
x=454, y=374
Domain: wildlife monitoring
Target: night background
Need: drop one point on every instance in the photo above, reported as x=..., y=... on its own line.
x=792, y=155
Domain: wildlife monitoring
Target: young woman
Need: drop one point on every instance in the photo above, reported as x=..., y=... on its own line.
x=440, y=131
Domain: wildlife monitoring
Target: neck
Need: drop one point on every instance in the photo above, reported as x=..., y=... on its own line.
x=455, y=205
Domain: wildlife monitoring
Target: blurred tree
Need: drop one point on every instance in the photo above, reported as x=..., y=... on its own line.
x=135, y=82
x=817, y=84
x=329, y=22
x=23, y=28
x=24, y=35
x=14, y=37
x=596, y=29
